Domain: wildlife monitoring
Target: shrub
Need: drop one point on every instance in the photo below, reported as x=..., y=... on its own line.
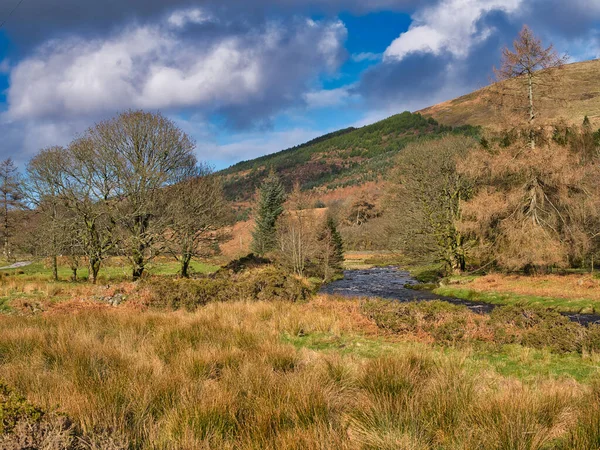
x=444, y=322
x=449, y=324
x=14, y=409
x=536, y=327
x=267, y=283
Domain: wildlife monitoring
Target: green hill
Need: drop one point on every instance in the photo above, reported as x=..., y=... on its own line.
x=345, y=158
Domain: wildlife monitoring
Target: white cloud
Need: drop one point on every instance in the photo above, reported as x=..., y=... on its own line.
x=366, y=56
x=183, y=17
x=327, y=98
x=153, y=67
x=449, y=26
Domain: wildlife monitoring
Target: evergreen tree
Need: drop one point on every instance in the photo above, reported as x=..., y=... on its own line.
x=332, y=255
x=271, y=198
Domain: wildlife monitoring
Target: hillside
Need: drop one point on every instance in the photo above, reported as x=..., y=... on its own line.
x=353, y=157
x=342, y=159
x=575, y=93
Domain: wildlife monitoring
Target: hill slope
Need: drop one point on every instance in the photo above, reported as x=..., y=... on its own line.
x=352, y=157
x=575, y=94
x=345, y=158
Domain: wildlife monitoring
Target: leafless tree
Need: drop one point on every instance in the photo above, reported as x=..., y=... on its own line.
x=528, y=63
x=43, y=191
x=142, y=153
x=425, y=200
x=297, y=233
x=11, y=198
x=195, y=209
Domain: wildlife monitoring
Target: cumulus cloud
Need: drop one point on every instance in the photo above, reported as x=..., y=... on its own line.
x=155, y=67
x=449, y=27
x=452, y=45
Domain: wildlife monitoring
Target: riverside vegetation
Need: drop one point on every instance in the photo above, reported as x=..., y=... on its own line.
x=329, y=373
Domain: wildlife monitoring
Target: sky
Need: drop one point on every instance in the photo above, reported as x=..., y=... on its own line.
x=246, y=78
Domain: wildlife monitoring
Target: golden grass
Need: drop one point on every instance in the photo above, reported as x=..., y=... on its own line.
x=577, y=87
x=223, y=377
x=557, y=286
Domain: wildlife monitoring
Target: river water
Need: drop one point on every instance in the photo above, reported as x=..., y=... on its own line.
x=389, y=283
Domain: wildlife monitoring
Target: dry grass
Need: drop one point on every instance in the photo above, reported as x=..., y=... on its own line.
x=577, y=87
x=558, y=286
x=223, y=377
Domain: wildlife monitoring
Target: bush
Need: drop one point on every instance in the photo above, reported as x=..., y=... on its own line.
x=537, y=327
x=444, y=322
x=268, y=283
x=449, y=324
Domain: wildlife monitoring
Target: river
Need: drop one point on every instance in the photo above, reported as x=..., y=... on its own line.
x=390, y=283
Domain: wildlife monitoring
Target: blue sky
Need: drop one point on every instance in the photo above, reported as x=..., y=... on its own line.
x=250, y=78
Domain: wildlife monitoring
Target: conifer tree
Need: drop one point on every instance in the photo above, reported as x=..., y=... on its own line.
x=271, y=198
x=332, y=255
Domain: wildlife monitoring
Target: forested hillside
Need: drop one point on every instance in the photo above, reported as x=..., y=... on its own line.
x=344, y=158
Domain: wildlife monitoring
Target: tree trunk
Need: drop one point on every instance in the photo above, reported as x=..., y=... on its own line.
x=185, y=265
x=94, y=269
x=138, y=265
x=531, y=113
x=55, y=267
x=139, y=260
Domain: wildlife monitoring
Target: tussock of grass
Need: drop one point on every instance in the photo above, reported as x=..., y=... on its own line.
x=228, y=376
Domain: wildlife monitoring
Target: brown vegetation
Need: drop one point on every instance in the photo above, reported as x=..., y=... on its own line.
x=224, y=377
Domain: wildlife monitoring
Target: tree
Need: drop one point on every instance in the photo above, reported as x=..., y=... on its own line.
x=527, y=63
x=331, y=251
x=11, y=198
x=425, y=200
x=143, y=152
x=43, y=186
x=195, y=209
x=533, y=209
x=269, y=207
x=296, y=233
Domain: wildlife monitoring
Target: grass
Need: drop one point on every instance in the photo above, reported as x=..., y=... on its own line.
x=576, y=87
x=573, y=293
x=114, y=269
x=277, y=375
x=583, y=306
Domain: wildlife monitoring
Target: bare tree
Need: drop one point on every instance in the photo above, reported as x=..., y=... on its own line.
x=528, y=63
x=143, y=153
x=296, y=233
x=43, y=185
x=11, y=198
x=195, y=209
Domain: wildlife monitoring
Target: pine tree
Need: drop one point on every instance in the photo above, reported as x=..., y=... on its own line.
x=332, y=255
x=271, y=198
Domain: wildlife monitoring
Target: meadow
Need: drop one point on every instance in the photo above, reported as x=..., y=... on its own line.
x=326, y=373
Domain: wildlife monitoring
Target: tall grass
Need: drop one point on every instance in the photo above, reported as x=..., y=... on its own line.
x=223, y=377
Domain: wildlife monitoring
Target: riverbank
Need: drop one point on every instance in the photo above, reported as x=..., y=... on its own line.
x=571, y=293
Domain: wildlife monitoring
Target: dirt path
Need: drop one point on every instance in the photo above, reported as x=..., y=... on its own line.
x=17, y=265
